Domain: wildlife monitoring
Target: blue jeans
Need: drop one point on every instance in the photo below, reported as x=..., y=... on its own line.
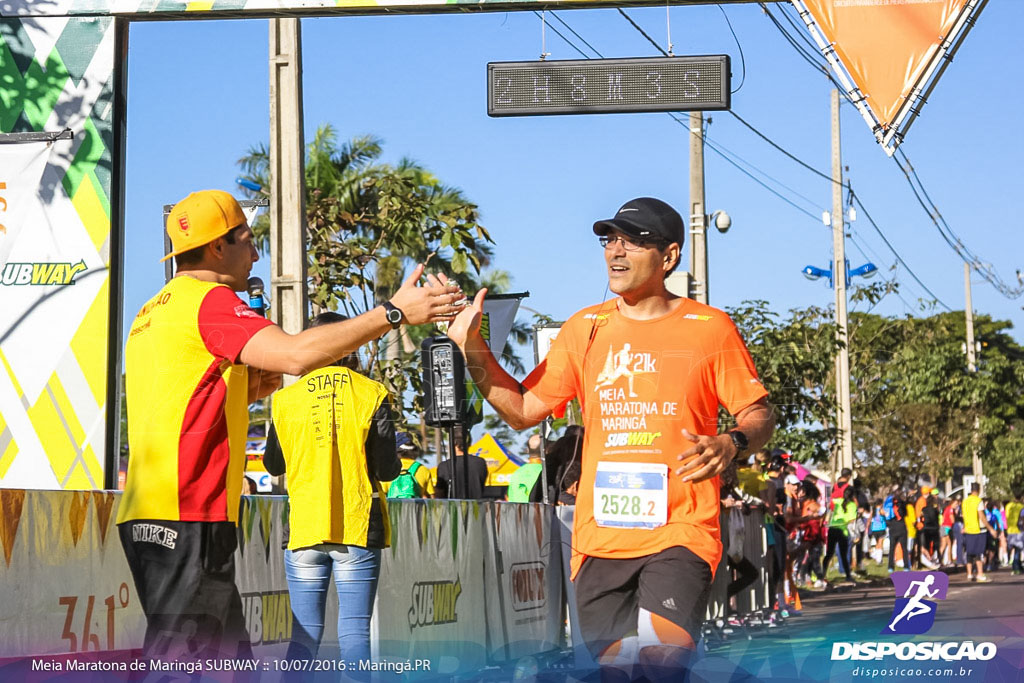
x=309, y=570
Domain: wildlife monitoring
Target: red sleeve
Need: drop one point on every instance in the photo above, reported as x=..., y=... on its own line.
x=734, y=373
x=554, y=380
x=226, y=323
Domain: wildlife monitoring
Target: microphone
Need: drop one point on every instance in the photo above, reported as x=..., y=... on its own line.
x=257, y=302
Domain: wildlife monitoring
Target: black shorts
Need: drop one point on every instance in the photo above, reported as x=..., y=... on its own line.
x=674, y=584
x=184, y=574
x=974, y=544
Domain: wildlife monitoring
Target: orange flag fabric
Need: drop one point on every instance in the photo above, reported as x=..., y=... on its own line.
x=886, y=45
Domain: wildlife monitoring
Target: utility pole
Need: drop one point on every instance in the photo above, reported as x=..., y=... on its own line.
x=289, y=302
x=698, y=220
x=972, y=366
x=844, y=421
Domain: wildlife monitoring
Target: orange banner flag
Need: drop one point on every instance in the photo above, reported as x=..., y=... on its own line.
x=886, y=46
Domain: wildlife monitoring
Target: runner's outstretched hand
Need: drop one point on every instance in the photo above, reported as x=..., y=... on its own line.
x=434, y=302
x=707, y=458
x=467, y=322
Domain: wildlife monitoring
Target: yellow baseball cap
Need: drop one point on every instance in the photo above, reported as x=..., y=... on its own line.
x=200, y=218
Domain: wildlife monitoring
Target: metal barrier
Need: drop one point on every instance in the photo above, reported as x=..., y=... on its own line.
x=753, y=546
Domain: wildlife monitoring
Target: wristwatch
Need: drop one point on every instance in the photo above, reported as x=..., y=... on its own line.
x=739, y=439
x=393, y=314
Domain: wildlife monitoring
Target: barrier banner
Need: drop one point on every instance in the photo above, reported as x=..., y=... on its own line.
x=525, y=613
x=259, y=567
x=55, y=249
x=430, y=598
x=566, y=515
x=67, y=586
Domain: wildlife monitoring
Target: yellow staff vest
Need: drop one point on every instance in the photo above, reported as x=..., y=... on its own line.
x=322, y=422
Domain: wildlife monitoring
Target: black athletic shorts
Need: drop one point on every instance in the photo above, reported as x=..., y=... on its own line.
x=184, y=574
x=674, y=584
x=974, y=544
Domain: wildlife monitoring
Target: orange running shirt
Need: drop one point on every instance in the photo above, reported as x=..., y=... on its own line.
x=640, y=382
x=187, y=403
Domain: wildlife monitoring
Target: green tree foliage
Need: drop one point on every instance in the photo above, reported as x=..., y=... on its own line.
x=794, y=357
x=917, y=410
x=368, y=223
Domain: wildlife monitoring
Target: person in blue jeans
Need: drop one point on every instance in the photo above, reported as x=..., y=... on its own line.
x=333, y=434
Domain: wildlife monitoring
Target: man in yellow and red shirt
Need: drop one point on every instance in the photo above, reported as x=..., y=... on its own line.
x=196, y=357
x=650, y=370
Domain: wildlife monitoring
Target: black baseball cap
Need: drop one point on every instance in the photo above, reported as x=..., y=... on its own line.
x=645, y=218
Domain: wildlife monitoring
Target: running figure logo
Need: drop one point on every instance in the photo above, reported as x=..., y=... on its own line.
x=624, y=363
x=914, y=612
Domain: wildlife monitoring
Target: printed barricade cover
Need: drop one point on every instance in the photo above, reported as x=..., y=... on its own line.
x=528, y=612
x=430, y=599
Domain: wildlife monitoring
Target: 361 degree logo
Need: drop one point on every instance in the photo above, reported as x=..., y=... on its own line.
x=914, y=612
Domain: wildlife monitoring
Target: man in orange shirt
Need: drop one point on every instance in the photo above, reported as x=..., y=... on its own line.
x=650, y=370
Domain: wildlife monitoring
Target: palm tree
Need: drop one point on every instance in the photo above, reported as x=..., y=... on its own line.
x=367, y=222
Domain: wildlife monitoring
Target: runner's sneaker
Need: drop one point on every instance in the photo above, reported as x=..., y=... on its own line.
x=983, y=579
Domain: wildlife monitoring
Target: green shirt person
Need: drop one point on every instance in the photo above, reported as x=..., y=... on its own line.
x=522, y=481
x=844, y=511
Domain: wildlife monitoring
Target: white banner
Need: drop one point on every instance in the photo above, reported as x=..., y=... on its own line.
x=499, y=315
x=69, y=589
x=22, y=166
x=53, y=332
x=67, y=586
x=544, y=337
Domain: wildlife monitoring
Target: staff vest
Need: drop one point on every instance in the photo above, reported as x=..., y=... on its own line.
x=322, y=422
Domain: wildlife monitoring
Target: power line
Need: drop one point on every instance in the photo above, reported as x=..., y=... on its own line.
x=745, y=172
x=724, y=153
x=559, y=34
x=573, y=31
x=781, y=149
x=743, y=60
x=896, y=253
x=772, y=178
x=808, y=57
x=642, y=32
x=947, y=233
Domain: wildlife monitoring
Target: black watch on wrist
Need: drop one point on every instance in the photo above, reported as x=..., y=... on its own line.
x=393, y=314
x=739, y=439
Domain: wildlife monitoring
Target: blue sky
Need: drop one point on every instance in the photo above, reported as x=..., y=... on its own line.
x=198, y=99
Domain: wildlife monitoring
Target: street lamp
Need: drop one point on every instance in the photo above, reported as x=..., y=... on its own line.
x=867, y=270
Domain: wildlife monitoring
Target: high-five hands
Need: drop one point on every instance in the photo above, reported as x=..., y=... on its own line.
x=436, y=301
x=466, y=322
